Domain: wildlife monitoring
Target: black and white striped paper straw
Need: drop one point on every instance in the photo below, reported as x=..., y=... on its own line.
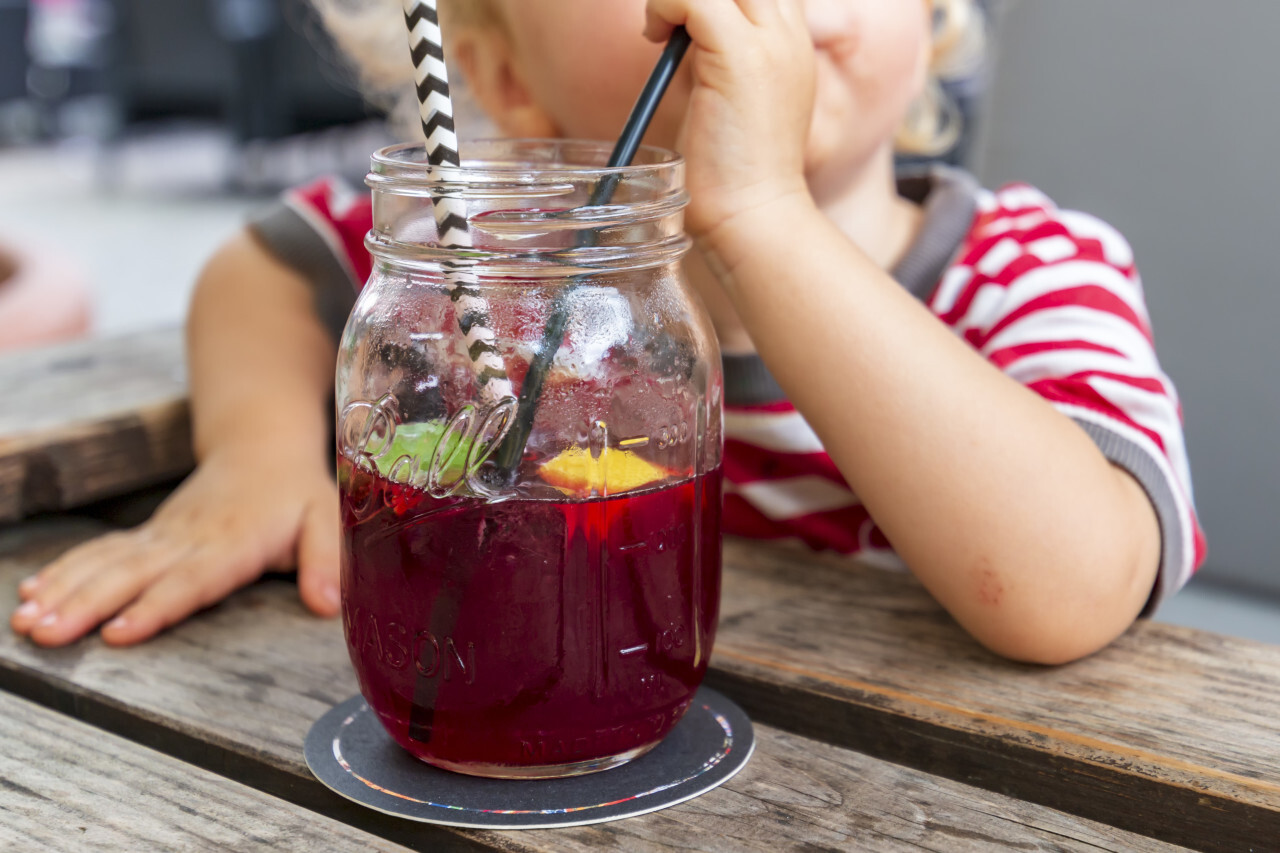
x=436, y=110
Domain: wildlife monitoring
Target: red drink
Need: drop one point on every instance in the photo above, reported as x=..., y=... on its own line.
x=529, y=637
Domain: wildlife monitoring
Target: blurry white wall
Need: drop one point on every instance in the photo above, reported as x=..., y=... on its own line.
x=1160, y=116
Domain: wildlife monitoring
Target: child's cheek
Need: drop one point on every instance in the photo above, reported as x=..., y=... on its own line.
x=586, y=60
x=594, y=105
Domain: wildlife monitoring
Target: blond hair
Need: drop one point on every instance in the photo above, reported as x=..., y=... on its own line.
x=934, y=123
x=371, y=34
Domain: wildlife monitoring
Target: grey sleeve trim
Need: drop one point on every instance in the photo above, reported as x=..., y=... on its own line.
x=1138, y=462
x=950, y=201
x=296, y=244
x=748, y=382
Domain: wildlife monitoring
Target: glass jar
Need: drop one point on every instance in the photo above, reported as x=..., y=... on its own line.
x=531, y=563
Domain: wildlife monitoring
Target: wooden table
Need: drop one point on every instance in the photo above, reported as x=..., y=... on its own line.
x=881, y=725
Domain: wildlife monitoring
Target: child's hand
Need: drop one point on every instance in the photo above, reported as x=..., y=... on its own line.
x=750, y=108
x=236, y=516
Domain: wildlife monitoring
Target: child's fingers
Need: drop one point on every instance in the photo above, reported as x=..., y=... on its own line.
x=657, y=29
x=61, y=578
x=28, y=587
x=318, y=548
x=93, y=602
x=200, y=580
x=664, y=15
x=714, y=25
x=210, y=538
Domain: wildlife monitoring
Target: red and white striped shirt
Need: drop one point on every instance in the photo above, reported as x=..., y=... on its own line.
x=1051, y=297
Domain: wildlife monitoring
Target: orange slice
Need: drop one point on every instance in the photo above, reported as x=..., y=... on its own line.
x=576, y=473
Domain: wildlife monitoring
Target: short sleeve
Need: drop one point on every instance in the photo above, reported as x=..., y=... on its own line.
x=1053, y=299
x=318, y=230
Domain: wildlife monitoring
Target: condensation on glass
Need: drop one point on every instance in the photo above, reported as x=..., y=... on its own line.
x=530, y=586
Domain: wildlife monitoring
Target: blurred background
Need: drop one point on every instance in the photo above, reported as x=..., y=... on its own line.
x=136, y=135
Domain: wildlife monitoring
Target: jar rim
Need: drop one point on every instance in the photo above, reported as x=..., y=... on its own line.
x=535, y=199
x=502, y=160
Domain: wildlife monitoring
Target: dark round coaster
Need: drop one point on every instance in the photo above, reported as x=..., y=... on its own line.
x=348, y=750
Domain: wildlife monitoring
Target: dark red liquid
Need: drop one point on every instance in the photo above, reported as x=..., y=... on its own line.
x=529, y=633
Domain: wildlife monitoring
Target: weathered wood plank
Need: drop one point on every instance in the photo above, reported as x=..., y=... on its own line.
x=1170, y=732
x=237, y=688
x=65, y=785
x=848, y=655
x=89, y=420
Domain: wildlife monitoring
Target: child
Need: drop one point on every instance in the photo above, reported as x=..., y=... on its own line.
x=997, y=409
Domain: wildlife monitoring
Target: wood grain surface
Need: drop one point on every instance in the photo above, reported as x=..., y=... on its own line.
x=90, y=420
x=236, y=689
x=1169, y=732
x=66, y=786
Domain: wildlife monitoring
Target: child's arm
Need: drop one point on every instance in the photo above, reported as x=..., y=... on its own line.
x=262, y=496
x=1002, y=506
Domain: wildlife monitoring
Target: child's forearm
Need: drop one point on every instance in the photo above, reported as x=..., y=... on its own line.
x=1003, y=507
x=261, y=363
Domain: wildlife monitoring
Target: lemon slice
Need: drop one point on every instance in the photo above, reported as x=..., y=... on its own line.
x=575, y=472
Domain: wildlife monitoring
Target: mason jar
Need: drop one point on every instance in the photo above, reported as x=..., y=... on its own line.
x=529, y=458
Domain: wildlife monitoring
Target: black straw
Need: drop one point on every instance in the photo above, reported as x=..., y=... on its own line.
x=553, y=334
x=647, y=104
